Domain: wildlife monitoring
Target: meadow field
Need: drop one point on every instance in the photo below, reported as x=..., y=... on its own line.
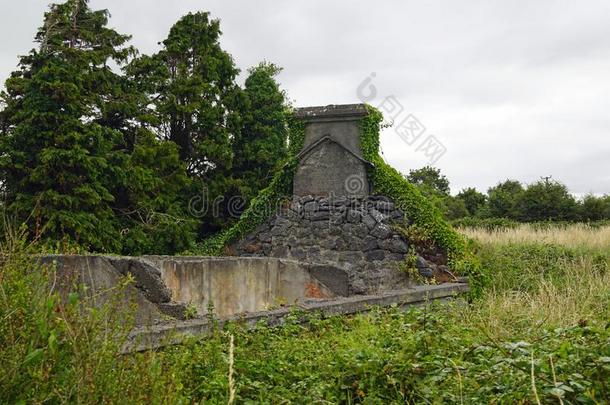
x=536, y=329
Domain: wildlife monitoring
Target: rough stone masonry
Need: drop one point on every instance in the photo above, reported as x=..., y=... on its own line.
x=332, y=218
x=353, y=233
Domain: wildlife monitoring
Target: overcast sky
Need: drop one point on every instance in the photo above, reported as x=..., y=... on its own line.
x=512, y=89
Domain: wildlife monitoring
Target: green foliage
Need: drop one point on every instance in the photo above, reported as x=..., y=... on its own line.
x=430, y=177
x=153, y=217
x=389, y=182
x=435, y=187
x=469, y=354
x=265, y=203
x=473, y=200
x=547, y=200
x=387, y=356
x=57, y=349
x=78, y=164
x=539, y=202
x=482, y=352
x=59, y=164
x=455, y=208
x=523, y=265
x=504, y=199
x=191, y=84
x=261, y=146
x=489, y=224
x=595, y=208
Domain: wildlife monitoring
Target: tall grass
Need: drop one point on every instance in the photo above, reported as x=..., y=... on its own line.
x=61, y=349
x=553, y=277
x=576, y=294
x=570, y=235
x=540, y=330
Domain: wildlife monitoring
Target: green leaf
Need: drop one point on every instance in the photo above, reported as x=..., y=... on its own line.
x=33, y=357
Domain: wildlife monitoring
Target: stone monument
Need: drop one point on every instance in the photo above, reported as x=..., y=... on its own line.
x=334, y=218
x=331, y=162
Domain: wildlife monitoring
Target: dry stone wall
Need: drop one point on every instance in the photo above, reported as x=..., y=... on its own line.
x=353, y=233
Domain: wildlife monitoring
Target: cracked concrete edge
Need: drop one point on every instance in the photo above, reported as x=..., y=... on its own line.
x=175, y=332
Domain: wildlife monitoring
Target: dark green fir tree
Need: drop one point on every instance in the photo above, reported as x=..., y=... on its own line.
x=260, y=148
x=77, y=161
x=191, y=83
x=58, y=162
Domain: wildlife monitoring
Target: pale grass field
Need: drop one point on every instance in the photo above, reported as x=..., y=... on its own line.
x=582, y=293
x=577, y=235
x=583, y=296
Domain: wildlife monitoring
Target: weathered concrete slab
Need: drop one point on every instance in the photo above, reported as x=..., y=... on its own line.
x=244, y=289
x=234, y=285
x=96, y=279
x=167, y=285
x=156, y=336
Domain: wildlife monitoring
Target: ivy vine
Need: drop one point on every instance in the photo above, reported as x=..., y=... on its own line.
x=386, y=181
x=391, y=183
x=262, y=206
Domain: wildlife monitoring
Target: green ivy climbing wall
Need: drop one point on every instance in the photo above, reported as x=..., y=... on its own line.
x=426, y=219
x=387, y=181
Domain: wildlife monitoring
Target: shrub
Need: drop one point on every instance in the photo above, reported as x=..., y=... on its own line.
x=61, y=349
x=549, y=201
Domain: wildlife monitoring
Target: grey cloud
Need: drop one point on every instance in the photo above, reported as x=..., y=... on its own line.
x=513, y=89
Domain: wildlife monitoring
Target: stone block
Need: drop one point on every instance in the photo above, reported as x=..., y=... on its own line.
x=384, y=206
x=381, y=231
x=340, y=244
x=361, y=230
x=334, y=229
x=375, y=255
x=310, y=206
x=298, y=253
x=279, y=251
x=320, y=215
x=369, y=221
x=354, y=216
x=369, y=243
x=350, y=256
x=397, y=245
x=378, y=216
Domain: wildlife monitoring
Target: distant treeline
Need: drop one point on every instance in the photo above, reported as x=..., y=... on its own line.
x=143, y=158
x=544, y=200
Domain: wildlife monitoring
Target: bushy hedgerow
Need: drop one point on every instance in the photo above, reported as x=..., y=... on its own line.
x=386, y=181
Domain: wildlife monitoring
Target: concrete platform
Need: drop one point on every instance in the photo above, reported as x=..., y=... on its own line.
x=174, y=332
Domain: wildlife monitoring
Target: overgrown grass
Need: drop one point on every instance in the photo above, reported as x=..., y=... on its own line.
x=545, y=309
x=569, y=235
x=539, y=330
x=56, y=349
